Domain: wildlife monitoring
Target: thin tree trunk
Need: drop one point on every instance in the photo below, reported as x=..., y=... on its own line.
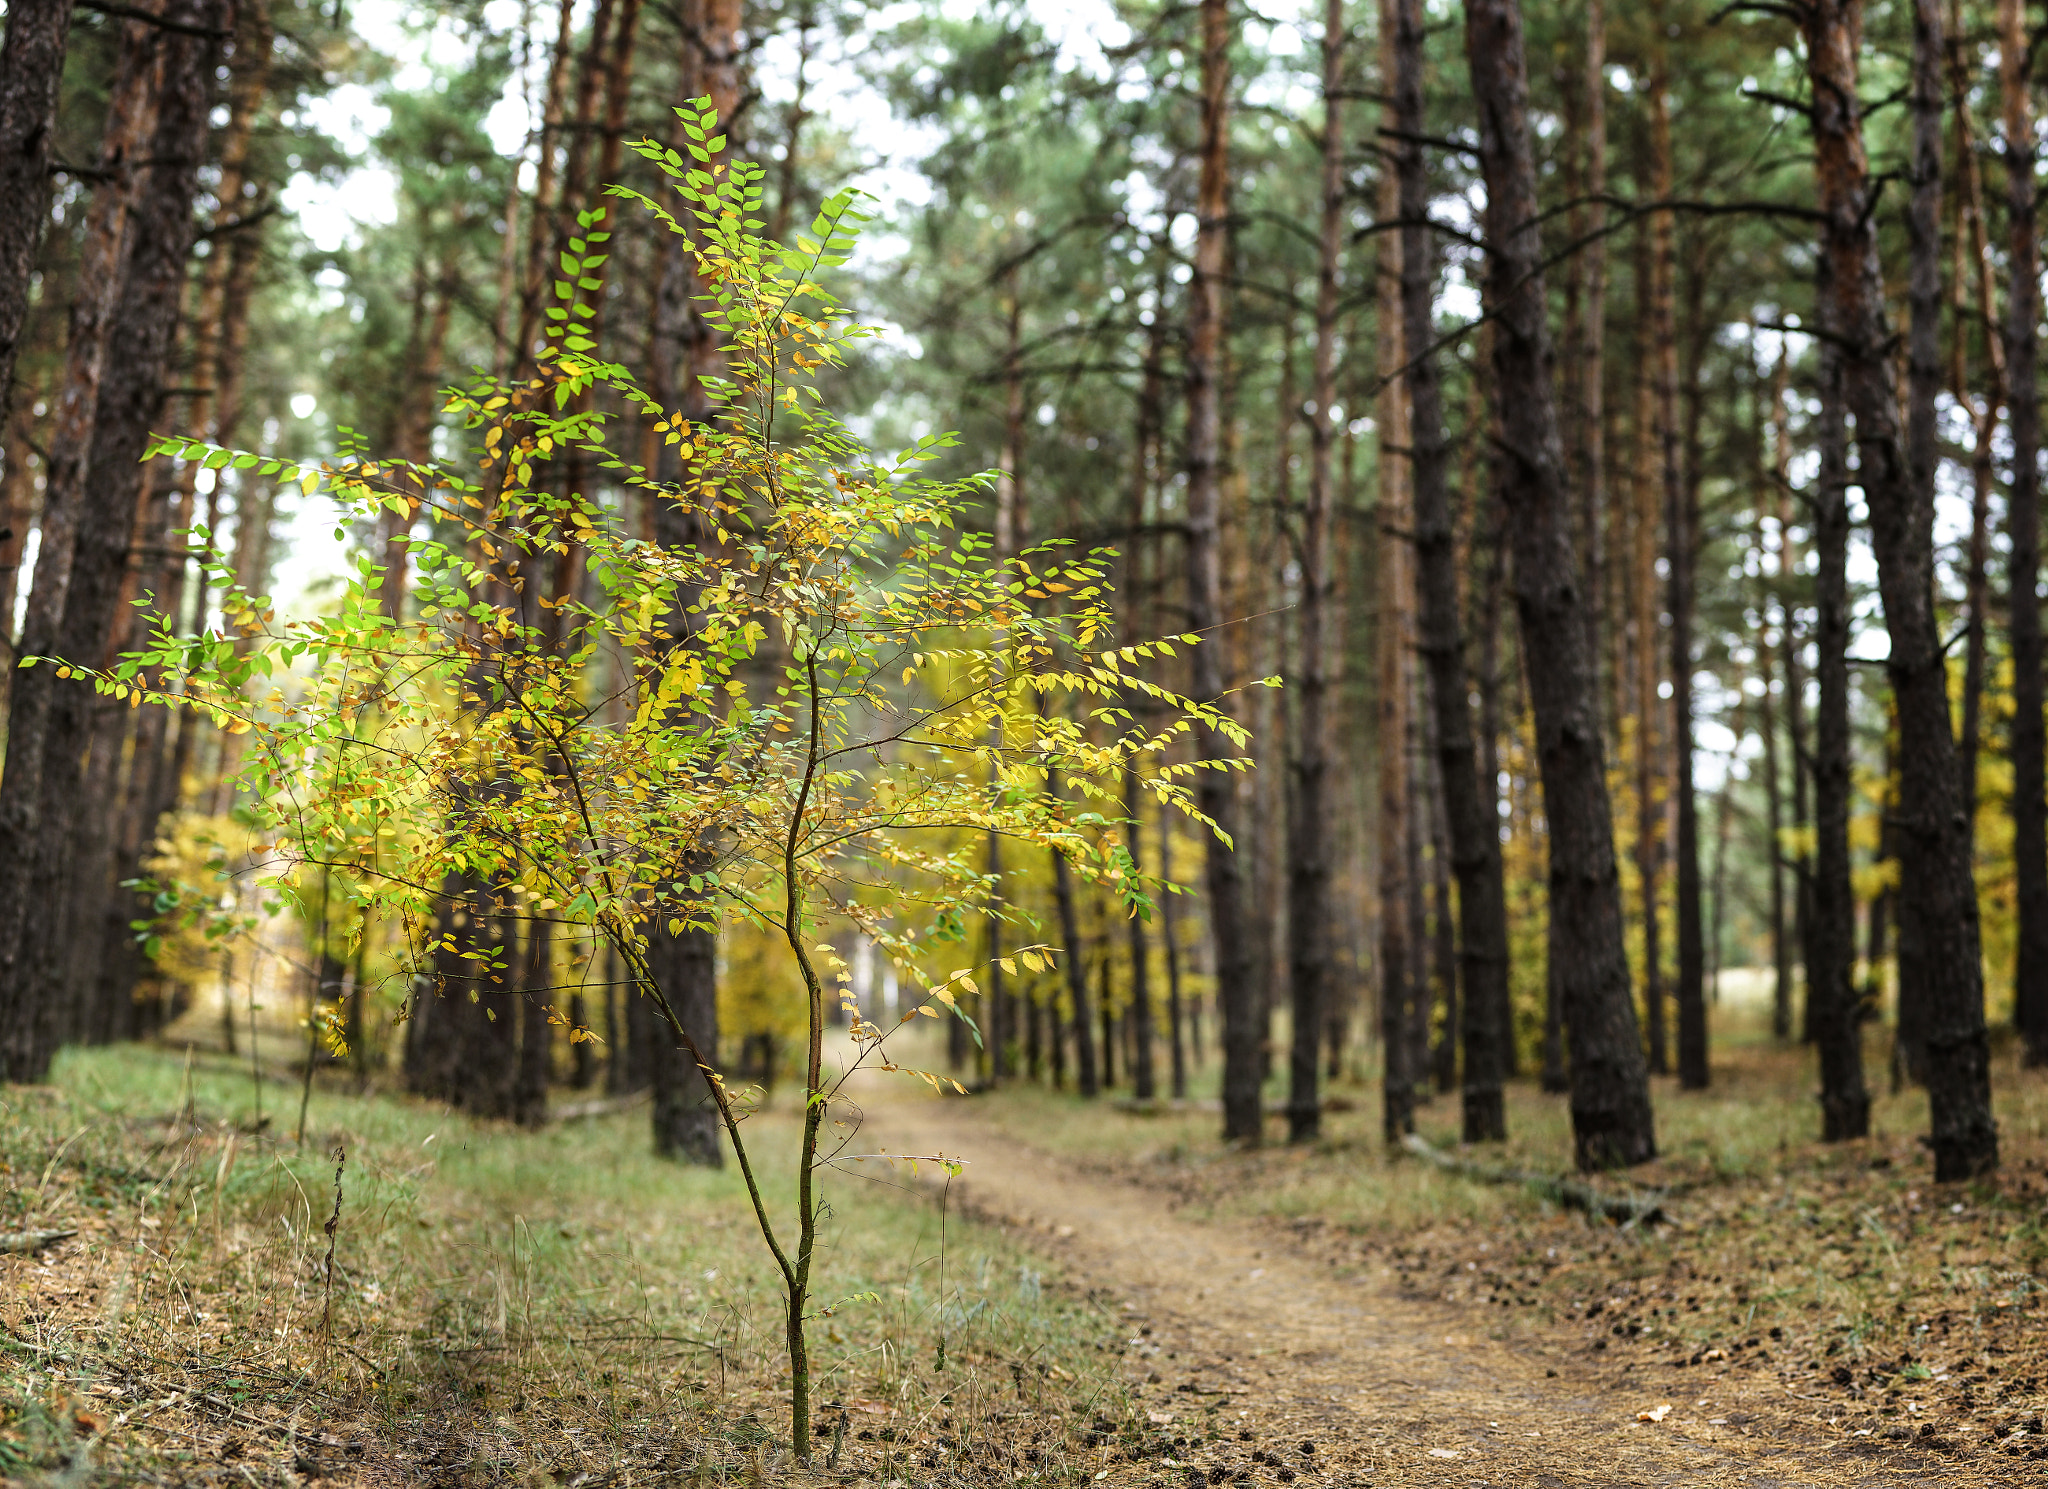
x=1396, y=954
x=1611, y=1118
x=31, y=68
x=1236, y=988
x=1592, y=349
x=1175, y=1012
x=1308, y=836
x=1774, y=822
x=1471, y=819
x=1087, y=1080
x=1679, y=560
x=2023, y=530
x=1653, y=289
x=1897, y=476
x=1969, y=257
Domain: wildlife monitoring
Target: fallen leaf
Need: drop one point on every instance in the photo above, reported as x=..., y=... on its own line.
x=1159, y=1418
x=88, y=1423
x=1655, y=1414
x=1443, y=1452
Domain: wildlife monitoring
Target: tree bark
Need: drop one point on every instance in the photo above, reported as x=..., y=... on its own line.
x=1653, y=290
x=133, y=106
x=1937, y=892
x=2023, y=530
x=1610, y=1100
x=1969, y=259
x=1690, y=992
x=31, y=68
x=1472, y=822
x=129, y=396
x=1308, y=836
x=1087, y=1079
x=1236, y=987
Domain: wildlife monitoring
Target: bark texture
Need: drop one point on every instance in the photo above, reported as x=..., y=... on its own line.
x=2023, y=528
x=1472, y=821
x=31, y=67
x=1236, y=988
x=1610, y=1099
x=1938, y=899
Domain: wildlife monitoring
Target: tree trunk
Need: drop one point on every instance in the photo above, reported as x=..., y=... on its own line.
x=1937, y=893
x=2023, y=529
x=682, y=352
x=31, y=68
x=70, y=508
x=1086, y=1078
x=1176, y=1016
x=1645, y=653
x=1472, y=821
x=130, y=396
x=1774, y=817
x=1678, y=545
x=1591, y=351
x=1236, y=988
x=1610, y=1098
x=1308, y=835
x=1969, y=258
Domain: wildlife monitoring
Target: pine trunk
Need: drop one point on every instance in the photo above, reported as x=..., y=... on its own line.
x=1472, y=822
x=31, y=69
x=1610, y=1098
x=1690, y=993
x=130, y=394
x=1938, y=895
x=1236, y=979
x=2023, y=529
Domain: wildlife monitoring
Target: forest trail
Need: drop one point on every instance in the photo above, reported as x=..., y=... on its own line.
x=1384, y=1384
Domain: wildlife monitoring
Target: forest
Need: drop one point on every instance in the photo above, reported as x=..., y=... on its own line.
x=957, y=743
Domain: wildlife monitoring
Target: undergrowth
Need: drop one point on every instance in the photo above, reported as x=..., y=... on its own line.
x=552, y=1306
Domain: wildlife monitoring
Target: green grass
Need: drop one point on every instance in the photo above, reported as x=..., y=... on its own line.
x=502, y=1302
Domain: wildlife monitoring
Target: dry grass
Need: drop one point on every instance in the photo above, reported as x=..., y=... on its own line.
x=504, y=1306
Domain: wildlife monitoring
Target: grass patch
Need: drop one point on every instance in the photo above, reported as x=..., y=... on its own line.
x=503, y=1305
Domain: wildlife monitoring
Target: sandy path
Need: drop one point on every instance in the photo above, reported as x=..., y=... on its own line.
x=1390, y=1390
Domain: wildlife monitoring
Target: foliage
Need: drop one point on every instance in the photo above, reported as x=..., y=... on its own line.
x=800, y=711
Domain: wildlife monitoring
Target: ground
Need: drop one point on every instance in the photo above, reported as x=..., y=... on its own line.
x=1103, y=1295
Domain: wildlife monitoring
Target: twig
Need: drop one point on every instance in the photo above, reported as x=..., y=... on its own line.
x=333, y=1224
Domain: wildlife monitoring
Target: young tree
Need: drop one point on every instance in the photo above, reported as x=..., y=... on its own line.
x=856, y=781
x=1610, y=1098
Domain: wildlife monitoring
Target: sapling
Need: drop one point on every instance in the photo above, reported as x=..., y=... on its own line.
x=812, y=717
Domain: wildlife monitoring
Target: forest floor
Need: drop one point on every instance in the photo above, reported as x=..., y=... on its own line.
x=1808, y=1315
x=1106, y=1297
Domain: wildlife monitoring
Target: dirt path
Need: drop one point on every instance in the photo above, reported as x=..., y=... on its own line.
x=1390, y=1390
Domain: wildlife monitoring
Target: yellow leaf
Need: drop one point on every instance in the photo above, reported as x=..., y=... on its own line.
x=1008, y=964
x=945, y=996
x=308, y=479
